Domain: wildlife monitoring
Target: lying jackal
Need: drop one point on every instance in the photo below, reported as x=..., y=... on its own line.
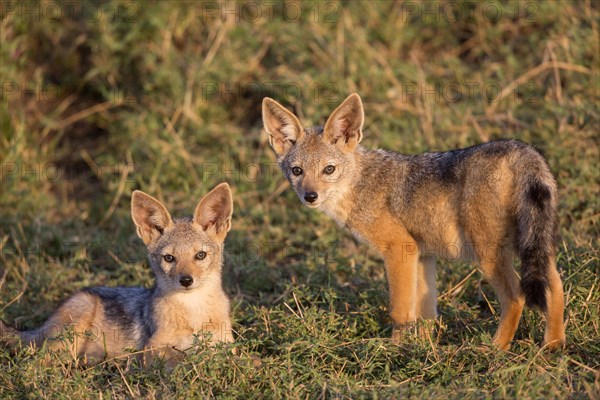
x=483, y=203
x=186, y=256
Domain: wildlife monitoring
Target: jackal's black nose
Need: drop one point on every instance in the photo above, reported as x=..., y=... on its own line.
x=186, y=280
x=310, y=196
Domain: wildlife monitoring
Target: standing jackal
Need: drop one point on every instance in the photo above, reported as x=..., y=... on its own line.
x=482, y=203
x=186, y=255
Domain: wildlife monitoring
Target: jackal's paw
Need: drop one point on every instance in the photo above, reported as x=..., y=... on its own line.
x=426, y=330
x=170, y=356
x=401, y=332
x=501, y=343
x=420, y=331
x=554, y=344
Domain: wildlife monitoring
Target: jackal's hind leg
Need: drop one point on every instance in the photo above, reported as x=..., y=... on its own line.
x=69, y=327
x=555, y=326
x=500, y=273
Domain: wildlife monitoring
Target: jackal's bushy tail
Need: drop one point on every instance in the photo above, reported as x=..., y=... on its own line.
x=536, y=231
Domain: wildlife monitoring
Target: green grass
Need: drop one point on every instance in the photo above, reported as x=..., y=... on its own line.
x=174, y=92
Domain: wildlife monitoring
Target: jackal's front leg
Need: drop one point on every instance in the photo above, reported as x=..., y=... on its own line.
x=426, y=297
x=401, y=267
x=426, y=288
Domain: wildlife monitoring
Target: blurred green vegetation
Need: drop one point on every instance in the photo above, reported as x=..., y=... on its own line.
x=101, y=98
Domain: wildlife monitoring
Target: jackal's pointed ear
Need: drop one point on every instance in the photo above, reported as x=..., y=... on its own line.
x=149, y=216
x=283, y=127
x=344, y=126
x=213, y=213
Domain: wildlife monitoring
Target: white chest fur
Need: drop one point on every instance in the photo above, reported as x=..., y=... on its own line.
x=182, y=315
x=337, y=206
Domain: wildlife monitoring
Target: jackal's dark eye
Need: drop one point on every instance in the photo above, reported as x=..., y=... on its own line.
x=297, y=171
x=201, y=255
x=169, y=258
x=328, y=170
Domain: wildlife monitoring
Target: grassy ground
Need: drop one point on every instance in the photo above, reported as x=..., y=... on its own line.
x=165, y=97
